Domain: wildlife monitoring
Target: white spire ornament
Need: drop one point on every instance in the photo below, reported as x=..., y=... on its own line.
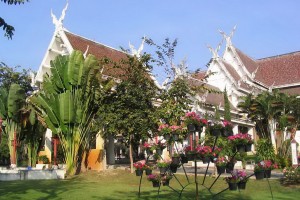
x=138, y=52
x=59, y=22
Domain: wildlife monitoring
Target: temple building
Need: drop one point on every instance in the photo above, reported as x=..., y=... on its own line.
x=234, y=70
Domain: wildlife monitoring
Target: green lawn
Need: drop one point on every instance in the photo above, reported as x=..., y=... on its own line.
x=119, y=184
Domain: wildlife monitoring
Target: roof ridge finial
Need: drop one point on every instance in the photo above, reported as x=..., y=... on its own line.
x=228, y=37
x=59, y=22
x=137, y=52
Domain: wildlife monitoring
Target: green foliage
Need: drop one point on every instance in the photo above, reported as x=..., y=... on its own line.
x=217, y=114
x=284, y=155
x=10, y=75
x=44, y=159
x=265, y=150
x=291, y=176
x=9, y=30
x=69, y=100
x=227, y=114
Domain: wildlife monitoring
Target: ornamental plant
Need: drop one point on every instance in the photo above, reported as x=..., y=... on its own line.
x=139, y=165
x=221, y=161
x=227, y=125
x=239, y=139
x=204, y=151
x=166, y=177
x=176, y=129
x=242, y=175
x=164, y=129
x=158, y=145
x=265, y=165
x=193, y=118
x=189, y=150
x=163, y=163
x=147, y=145
x=233, y=178
x=216, y=124
x=154, y=178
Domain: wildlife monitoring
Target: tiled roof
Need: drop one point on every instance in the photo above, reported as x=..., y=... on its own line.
x=231, y=71
x=279, y=70
x=200, y=75
x=98, y=50
x=291, y=90
x=249, y=63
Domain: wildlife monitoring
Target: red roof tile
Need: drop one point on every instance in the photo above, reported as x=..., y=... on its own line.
x=98, y=50
x=279, y=70
x=291, y=90
x=249, y=63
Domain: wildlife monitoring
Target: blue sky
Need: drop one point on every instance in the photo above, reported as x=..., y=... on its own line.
x=264, y=28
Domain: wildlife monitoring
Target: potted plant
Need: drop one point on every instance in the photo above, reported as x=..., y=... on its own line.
x=194, y=122
x=139, y=167
x=148, y=169
x=215, y=153
x=259, y=170
x=176, y=159
x=163, y=165
x=221, y=163
x=232, y=180
x=155, y=179
x=165, y=131
x=216, y=127
x=227, y=128
x=204, y=152
x=249, y=143
x=230, y=165
x=166, y=179
x=239, y=141
x=148, y=148
x=242, y=175
x=158, y=147
x=268, y=167
x=190, y=153
x=176, y=131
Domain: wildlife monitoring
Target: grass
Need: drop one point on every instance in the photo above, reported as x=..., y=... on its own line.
x=119, y=184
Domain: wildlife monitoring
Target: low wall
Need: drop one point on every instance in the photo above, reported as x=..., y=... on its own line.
x=12, y=175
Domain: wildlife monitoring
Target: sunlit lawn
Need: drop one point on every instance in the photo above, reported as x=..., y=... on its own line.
x=119, y=184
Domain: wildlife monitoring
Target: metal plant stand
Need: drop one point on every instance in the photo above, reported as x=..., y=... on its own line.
x=183, y=187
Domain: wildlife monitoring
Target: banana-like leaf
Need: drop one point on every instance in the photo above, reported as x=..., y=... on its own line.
x=15, y=100
x=66, y=107
x=75, y=68
x=3, y=103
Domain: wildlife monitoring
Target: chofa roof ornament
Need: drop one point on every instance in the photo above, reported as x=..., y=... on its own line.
x=59, y=22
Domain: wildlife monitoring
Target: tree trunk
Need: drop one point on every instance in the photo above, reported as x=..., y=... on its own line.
x=272, y=125
x=130, y=155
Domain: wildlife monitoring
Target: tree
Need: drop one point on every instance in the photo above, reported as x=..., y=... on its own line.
x=227, y=114
x=10, y=75
x=69, y=100
x=9, y=30
x=11, y=103
x=32, y=133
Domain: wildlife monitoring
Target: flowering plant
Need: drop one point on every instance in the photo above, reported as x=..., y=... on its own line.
x=158, y=145
x=216, y=151
x=188, y=150
x=227, y=125
x=193, y=118
x=239, y=139
x=139, y=165
x=242, y=175
x=147, y=145
x=249, y=138
x=163, y=163
x=154, y=177
x=265, y=165
x=216, y=124
x=148, y=167
x=164, y=129
x=166, y=177
x=221, y=161
x=204, y=151
x=233, y=178
x=176, y=129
